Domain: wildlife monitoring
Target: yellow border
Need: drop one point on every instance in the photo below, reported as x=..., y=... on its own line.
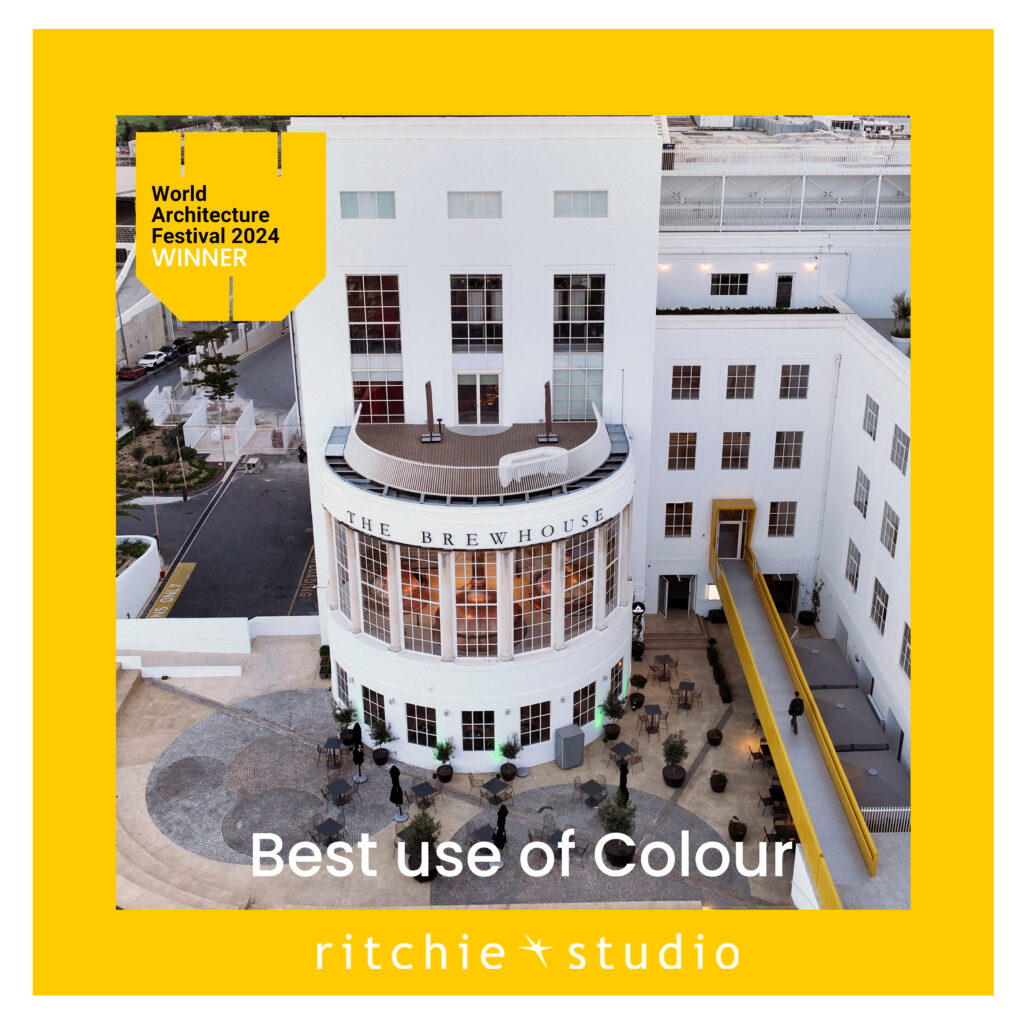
x=83, y=79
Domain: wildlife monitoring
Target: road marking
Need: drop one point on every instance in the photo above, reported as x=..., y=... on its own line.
x=307, y=581
x=172, y=591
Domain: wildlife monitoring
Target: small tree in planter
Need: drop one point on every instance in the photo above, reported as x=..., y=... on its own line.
x=900, y=315
x=617, y=815
x=714, y=737
x=638, y=680
x=638, y=636
x=718, y=781
x=737, y=829
x=325, y=662
x=509, y=750
x=613, y=709
x=725, y=692
x=380, y=733
x=421, y=835
x=675, y=751
x=344, y=717
x=444, y=752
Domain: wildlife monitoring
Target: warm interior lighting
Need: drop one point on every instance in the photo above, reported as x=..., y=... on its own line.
x=664, y=266
x=763, y=266
x=711, y=594
x=810, y=266
x=705, y=266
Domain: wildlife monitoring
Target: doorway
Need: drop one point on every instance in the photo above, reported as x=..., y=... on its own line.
x=477, y=396
x=675, y=593
x=784, y=589
x=729, y=534
x=783, y=291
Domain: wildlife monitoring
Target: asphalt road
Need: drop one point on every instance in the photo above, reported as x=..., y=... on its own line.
x=252, y=555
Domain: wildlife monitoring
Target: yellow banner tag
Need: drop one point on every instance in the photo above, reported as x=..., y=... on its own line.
x=221, y=235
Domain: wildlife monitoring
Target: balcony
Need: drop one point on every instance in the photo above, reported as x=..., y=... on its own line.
x=494, y=468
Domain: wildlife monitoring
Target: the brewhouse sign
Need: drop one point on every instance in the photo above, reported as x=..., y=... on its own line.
x=479, y=534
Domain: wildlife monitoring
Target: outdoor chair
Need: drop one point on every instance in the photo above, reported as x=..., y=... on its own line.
x=755, y=757
x=636, y=759
x=765, y=802
x=576, y=783
x=548, y=821
x=534, y=836
x=474, y=782
x=321, y=754
x=439, y=792
x=769, y=761
x=770, y=837
x=697, y=699
x=756, y=724
x=583, y=842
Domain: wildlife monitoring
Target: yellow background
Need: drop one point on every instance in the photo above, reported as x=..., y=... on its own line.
x=942, y=78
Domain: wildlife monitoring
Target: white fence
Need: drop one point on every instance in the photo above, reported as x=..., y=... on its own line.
x=886, y=819
x=770, y=157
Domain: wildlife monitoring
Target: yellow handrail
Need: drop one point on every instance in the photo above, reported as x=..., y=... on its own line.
x=816, y=864
x=859, y=827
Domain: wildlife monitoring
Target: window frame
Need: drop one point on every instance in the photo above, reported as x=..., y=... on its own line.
x=683, y=380
x=736, y=451
x=573, y=194
x=789, y=449
x=794, y=385
x=678, y=518
x=421, y=725
x=900, y=454
x=485, y=200
x=470, y=738
x=730, y=284
x=535, y=723
x=860, y=503
x=852, y=572
x=879, y=606
x=584, y=703
x=740, y=381
x=870, y=421
x=905, y=650
x=682, y=450
x=372, y=700
x=890, y=529
x=489, y=326
x=782, y=519
x=359, y=214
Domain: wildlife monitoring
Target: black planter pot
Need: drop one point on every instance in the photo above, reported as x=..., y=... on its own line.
x=638, y=650
x=445, y=773
x=674, y=775
x=346, y=737
x=714, y=737
x=413, y=863
x=618, y=854
x=507, y=771
x=737, y=831
x=380, y=755
x=718, y=785
x=805, y=618
x=636, y=701
x=612, y=730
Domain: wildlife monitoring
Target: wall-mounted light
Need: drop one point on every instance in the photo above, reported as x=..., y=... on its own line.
x=810, y=266
x=705, y=267
x=562, y=700
x=445, y=712
x=664, y=266
x=391, y=700
x=508, y=711
x=763, y=266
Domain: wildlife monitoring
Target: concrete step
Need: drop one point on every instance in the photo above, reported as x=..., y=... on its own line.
x=138, y=891
x=131, y=896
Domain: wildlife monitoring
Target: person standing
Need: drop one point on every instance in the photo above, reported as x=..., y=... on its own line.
x=796, y=709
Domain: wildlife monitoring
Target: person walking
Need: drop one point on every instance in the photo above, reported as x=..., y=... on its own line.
x=796, y=709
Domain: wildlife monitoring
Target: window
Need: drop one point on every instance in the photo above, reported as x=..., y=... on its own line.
x=579, y=579
x=476, y=312
x=578, y=331
x=616, y=677
x=373, y=707
x=678, y=518
x=477, y=730
x=879, y=607
x=421, y=725
x=341, y=569
x=476, y=604
x=735, y=449
x=533, y=596
x=477, y=396
x=789, y=447
x=381, y=394
x=342, y=677
x=905, y=650
x=890, y=529
x=421, y=599
x=853, y=565
x=728, y=284
x=870, y=416
x=584, y=704
x=782, y=519
x=740, y=382
x=860, y=493
x=686, y=382
x=535, y=723
x=682, y=451
x=374, y=324
x=373, y=564
x=474, y=204
x=611, y=563
x=368, y=205
x=793, y=381
x=581, y=204
x=900, y=449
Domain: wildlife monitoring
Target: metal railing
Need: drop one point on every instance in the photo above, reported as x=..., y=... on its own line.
x=855, y=153
x=861, y=832
x=124, y=232
x=887, y=819
x=480, y=481
x=787, y=216
x=824, y=886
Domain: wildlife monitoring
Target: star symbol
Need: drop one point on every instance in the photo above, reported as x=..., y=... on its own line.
x=535, y=947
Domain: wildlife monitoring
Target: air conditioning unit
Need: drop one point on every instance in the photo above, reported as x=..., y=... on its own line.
x=569, y=746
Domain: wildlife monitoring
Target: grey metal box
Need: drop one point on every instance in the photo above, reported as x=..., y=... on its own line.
x=569, y=746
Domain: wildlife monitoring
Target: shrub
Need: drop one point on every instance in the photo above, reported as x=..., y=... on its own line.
x=188, y=454
x=445, y=750
x=132, y=548
x=153, y=460
x=160, y=476
x=510, y=748
x=617, y=815
x=675, y=749
x=380, y=732
x=422, y=828
x=718, y=672
x=638, y=680
x=725, y=693
x=717, y=615
x=613, y=707
x=138, y=452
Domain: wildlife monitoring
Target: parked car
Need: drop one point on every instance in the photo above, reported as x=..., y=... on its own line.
x=151, y=360
x=169, y=351
x=130, y=371
x=184, y=346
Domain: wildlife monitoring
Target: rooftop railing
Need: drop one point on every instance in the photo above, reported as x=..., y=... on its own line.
x=855, y=153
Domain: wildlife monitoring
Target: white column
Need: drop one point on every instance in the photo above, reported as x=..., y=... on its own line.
x=878, y=196
x=506, y=600
x=803, y=190
x=624, y=589
x=721, y=206
x=355, y=591
x=600, y=566
x=395, y=618
x=446, y=596
x=558, y=595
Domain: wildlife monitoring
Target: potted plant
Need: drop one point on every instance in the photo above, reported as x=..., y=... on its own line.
x=737, y=829
x=718, y=781
x=712, y=652
x=344, y=717
x=725, y=692
x=508, y=750
x=325, y=662
x=675, y=751
x=900, y=333
x=638, y=681
x=613, y=709
x=638, y=636
x=421, y=835
x=444, y=752
x=809, y=616
x=380, y=733
x=618, y=815
x=714, y=737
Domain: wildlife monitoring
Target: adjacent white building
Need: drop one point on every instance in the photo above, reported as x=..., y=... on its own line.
x=480, y=585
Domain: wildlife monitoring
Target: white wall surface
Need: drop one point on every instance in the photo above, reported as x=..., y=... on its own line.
x=210, y=636
x=137, y=581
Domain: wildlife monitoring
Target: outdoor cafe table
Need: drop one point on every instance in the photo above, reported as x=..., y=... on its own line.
x=787, y=833
x=623, y=750
x=339, y=788
x=685, y=687
x=663, y=661
x=423, y=790
x=333, y=744
x=495, y=787
x=484, y=834
x=652, y=710
x=328, y=828
x=593, y=791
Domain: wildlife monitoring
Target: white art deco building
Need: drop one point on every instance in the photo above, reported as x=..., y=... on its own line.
x=477, y=574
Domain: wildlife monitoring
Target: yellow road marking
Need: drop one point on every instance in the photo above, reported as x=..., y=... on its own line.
x=172, y=591
x=307, y=581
